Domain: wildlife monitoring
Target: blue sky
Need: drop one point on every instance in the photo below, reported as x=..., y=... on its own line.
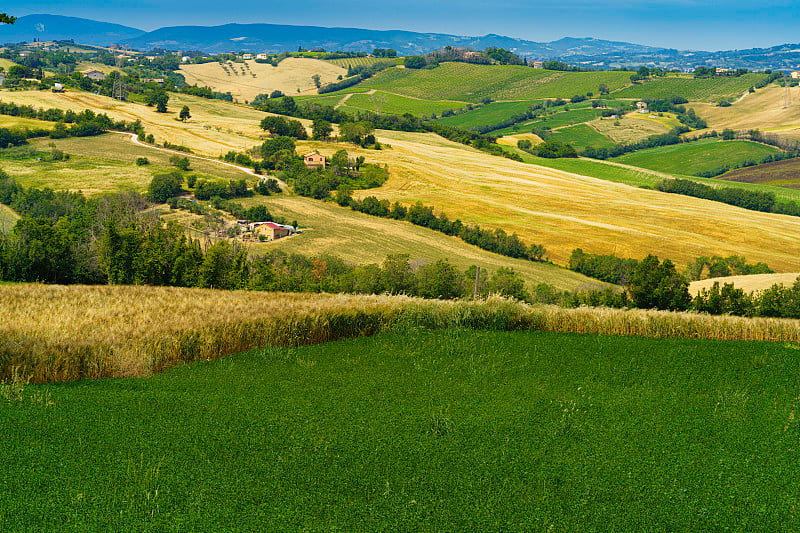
x=683, y=24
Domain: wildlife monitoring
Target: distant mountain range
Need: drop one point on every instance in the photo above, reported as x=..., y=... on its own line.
x=589, y=52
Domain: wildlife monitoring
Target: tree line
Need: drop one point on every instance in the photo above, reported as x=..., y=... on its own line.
x=497, y=241
x=765, y=202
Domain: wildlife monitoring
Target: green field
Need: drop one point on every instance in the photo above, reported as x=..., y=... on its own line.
x=568, y=118
x=105, y=163
x=695, y=157
x=320, y=100
x=397, y=105
x=580, y=137
x=487, y=114
x=691, y=88
x=471, y=83
x=452, y=430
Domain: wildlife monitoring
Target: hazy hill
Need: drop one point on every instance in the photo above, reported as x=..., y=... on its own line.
x=56, y=27
x=277, y=38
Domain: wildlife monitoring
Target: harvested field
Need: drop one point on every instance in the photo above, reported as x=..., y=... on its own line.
x=565, y=211
x=246, y=80
x=751, y=283
x=215, y=128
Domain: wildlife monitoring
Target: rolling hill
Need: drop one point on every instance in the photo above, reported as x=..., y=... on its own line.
x=58, y=27
x=244, y=81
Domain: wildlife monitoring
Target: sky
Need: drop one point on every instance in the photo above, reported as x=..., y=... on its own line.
x=681, y=24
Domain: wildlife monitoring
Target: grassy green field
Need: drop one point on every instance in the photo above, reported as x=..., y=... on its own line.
x=568, y=118
x=691, y=88
x=96, y=165
x=320, y=100
x=581, y=136
x=487, y=114
x=471, y=83
x=398, y=105
x=415, y=430
x=695, y=157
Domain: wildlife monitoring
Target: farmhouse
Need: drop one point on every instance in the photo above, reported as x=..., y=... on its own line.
x=271, y=230
x=247, y=56
x=537, y=64
x=314, y=160
x=93, y=74
x=796, y=74
x=262, y=56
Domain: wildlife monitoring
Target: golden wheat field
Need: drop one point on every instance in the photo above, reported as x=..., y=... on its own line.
x=59, y=333
x=751, y=283
x=246, y=80
x=565, y=211
x=215, y=128
x=765, y=110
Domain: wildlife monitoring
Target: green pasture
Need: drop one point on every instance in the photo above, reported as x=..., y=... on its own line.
x=581, y=136
x=695, y=157
x=452, y=430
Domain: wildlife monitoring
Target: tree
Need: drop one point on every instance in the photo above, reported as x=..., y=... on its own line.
x=180, y=162
x=657, y=285
x=159, y=98
x=164, y=186
x=317, y=80
x=414, y=62
x=184, y=114
x=7, y=19
x=321, y=129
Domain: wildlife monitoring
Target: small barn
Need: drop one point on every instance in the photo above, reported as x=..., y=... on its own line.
x=314, y=160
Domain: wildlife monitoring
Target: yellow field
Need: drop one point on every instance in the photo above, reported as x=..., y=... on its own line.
x=764, y=110
x=246, y=82
x=6, y=64
x=363, y=239
x=632, y=127
x=511, y=140
x=7, y=121
x=755, y=282
x=564, y=211
x=215, y=127
x=58, y=333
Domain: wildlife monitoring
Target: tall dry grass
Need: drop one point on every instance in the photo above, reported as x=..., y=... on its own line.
x=58, y=333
